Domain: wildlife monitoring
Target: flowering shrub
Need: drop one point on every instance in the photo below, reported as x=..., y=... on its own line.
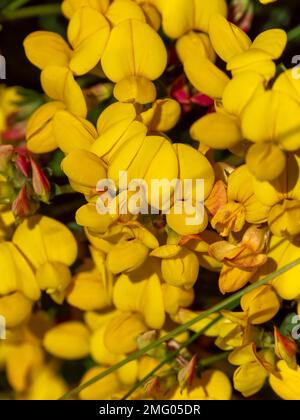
x=183, y=296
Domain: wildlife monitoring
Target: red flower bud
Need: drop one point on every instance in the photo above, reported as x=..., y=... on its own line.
x=22, y=164
x=22, y=207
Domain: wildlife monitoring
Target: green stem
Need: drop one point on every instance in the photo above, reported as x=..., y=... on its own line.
x=294, y=34
x=214, y=359
x=170, y=358
x=182, y=328
x=16, y=4
x=28, y=12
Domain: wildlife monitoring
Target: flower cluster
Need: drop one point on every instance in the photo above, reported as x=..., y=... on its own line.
x=96, y=291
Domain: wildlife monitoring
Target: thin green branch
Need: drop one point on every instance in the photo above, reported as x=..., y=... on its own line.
x=16, y=4
x=294, y=34
x=182, y=328
x=28, y=12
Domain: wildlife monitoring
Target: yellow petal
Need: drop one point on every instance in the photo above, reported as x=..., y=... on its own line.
x=194, y=44
x=206, y=77
x=272, y=41
x=266, y=161
x=98, y=350
x=227, y=39
x=43, y=239
x=262, y=305
x=217, y=131
x=282, y=124
x=288, y=385
x=92, y=170
x=69, y=7
x=181, y=16
x=284, y=219
x=101, y=390
x=22, y=363
x=134, y=49
x=39, y=132
x=152, y=304
x=166, y=251
x=69, y=341
x=17, y=274
x=128, y=374
x=116, y=125
x=59, y=84
x=54, y=278
x=240, y=90
x=121, y=333
x=163, y=115
x=88, y=216
x=282, y=252
x=249, y=379
x=127, y=292
x=135, y=89
x=213, y=385
x=88, y=33
x=16, y=309
x=193, y=165
x=88, y=292
x=124, y=10
x=288, y=84
x=253, y=60
x=55, y=51
x=187, y=224
x=126, y=256
x=176, y=298
x=47, y=385
x=181, y=271
x=73, y=132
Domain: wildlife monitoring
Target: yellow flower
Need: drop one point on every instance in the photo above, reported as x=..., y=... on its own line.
x=141, y=291
x=261, y=305
x=22, y=361
x=21, y=305
x=272, y=137
x=179, y=268
x=241, y=261
x=117, y=124
x=134, y=56
x=9, y=97
x=188, y=21
x=46, y=384
x=283, y=198
x=69, y=340
x=254, y=368
x=287, y=385
x=243, y=206
x=148, y=158
x=122, y=331
x=92, y=171
x=240, y=54
x=282, y=252
x=126, y=256
x=213, y=385
x=50, y=258
x=89, y=291
x=103, y=389
x=222, y=130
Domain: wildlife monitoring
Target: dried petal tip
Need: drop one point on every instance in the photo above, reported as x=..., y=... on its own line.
x=40, y=183
x=285, y=349
x=22, y=207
